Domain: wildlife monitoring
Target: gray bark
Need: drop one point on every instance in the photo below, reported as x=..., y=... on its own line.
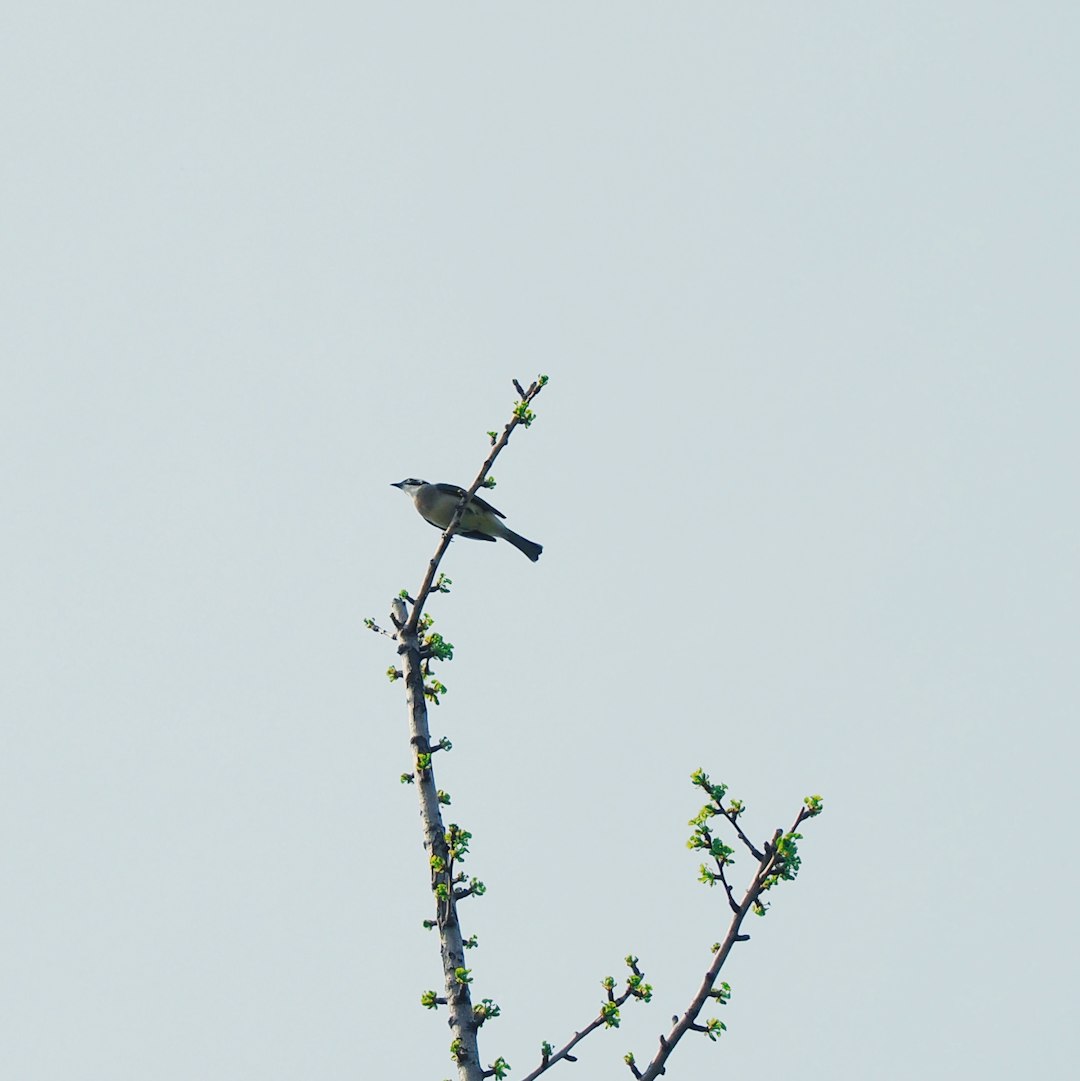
x=462, y=1023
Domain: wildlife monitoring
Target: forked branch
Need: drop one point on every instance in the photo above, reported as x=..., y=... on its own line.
x=779, y=862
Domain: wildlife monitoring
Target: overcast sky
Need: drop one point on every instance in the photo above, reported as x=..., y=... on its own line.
x=804, y=278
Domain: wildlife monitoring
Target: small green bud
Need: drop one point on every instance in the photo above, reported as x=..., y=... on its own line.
x=609, y=1011
x=714, y=1028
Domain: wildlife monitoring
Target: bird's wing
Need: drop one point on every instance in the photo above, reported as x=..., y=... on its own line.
x=453, y=489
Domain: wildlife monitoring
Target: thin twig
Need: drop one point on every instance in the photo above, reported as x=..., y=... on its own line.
x=564, y=1051
x=733, y=819
x=727, y=886
x=418, y=605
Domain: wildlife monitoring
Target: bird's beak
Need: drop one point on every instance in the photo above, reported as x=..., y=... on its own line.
x=397, y=485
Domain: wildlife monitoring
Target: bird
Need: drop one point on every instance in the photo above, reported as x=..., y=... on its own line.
x=479, y=521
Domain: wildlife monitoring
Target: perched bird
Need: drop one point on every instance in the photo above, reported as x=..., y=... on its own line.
x=480, y=521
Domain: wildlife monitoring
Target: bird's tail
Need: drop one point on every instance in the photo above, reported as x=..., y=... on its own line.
x=530, y=548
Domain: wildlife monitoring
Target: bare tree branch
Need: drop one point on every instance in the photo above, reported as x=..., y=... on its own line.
x=441, y=842
x=564, y=1051
x=769, y=865
x=608, y=1016
x=521, y=416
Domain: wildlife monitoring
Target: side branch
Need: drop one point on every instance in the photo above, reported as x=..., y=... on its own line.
x=771, y=863
x=564, y=1051
x=734, y=820
x=636, y=987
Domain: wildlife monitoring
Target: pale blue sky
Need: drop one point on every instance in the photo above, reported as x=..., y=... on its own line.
x=804, y=279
